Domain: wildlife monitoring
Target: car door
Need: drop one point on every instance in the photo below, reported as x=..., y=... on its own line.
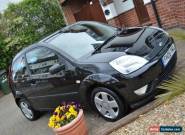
x=49, y=90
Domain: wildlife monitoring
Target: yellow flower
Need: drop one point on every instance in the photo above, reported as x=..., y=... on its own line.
x=57, y=110
x=62, y=114
x=57, y=126
x=62, y=108
x=57, y=118
x=52, y=118
x=62, y=118
x=68, y=115
x=51, y=124
x=72, y=111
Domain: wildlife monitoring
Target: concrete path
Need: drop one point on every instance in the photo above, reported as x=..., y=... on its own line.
x=12, y=122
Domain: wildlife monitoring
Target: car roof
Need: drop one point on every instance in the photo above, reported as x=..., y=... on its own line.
x=68, y=26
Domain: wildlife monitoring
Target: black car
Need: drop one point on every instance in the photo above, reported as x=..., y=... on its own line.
x=107, y=68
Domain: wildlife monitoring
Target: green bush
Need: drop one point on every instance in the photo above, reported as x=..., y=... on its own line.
x=25, y=23
x=3, y=58
x=175, y=86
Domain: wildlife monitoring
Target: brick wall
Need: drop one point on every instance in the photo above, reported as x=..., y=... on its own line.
x=126, y=19
x=114, y=22
x=179, y=6
x=129, y=18
x=166, y=12
x=171, y=12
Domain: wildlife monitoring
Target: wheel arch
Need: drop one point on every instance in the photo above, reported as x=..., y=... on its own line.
x=19, y=95
x=97, y=80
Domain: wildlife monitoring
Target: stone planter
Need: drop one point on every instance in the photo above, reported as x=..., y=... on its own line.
x=75, y=127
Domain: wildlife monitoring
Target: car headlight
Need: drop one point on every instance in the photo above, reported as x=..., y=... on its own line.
x=128, y=63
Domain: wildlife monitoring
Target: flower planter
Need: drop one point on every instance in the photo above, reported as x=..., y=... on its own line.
x=75, y=127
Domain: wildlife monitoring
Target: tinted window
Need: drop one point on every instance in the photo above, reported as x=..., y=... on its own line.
x=40, y=60
x=81, y=39
x=19, y=69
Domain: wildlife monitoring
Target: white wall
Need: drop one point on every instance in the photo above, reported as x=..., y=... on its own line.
x=122, y=7
x=112, y=9
x=147, y=1
x=118, y=7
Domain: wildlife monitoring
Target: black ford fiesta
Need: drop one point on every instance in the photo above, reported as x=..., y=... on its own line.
x=110, y=69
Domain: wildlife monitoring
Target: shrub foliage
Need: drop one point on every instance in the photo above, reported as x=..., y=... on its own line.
x=25, y=23
x=175, y=86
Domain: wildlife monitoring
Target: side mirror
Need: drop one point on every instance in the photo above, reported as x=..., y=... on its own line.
x=56, y=68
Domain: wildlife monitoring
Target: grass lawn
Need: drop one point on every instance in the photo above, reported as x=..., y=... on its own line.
x=178, y=34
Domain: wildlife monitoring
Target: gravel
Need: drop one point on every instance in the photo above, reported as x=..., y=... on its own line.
x=169, y=114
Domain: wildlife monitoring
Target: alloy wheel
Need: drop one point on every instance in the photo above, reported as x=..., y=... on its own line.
x=106, y=105
x=25, y=109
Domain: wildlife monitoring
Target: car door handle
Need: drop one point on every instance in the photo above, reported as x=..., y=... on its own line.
x=33, y=84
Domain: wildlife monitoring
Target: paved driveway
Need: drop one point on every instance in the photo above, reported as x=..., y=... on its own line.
x=12, y=122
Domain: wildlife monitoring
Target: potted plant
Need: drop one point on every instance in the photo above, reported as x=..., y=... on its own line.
x=68, y=119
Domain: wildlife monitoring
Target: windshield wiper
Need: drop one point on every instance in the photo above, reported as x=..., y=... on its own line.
x=104, y=43
x=97, y=44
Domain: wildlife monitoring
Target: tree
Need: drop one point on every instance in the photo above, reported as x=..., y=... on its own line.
x=27, y=22
x=3, y=58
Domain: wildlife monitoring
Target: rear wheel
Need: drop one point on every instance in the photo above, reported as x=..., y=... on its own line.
x=108, y=104
x=27, y=110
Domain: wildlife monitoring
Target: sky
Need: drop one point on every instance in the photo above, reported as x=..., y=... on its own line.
x=4, y=4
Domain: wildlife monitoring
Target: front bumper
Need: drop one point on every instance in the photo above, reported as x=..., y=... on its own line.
x=153, y=76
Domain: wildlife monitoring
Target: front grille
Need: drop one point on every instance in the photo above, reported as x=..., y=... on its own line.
x=165, y=48
x=158, y=38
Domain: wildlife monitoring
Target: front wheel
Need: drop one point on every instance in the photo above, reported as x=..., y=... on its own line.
x=28, y=111
x=108, y=104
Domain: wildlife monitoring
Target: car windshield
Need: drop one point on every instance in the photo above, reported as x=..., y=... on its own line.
x=82, y=39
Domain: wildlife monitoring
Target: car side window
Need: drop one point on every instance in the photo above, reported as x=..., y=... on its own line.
x=19, y=69
x=40, y=60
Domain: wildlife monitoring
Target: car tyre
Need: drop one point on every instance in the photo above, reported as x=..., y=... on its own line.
x=108, y=104
x=28, y=111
